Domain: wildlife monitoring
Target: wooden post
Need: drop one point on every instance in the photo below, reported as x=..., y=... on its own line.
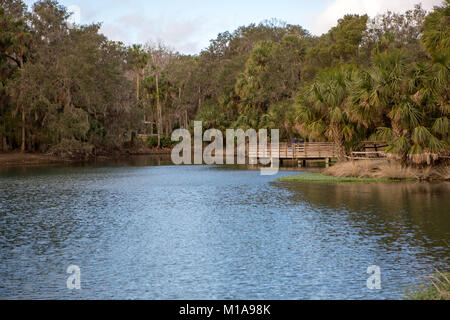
x=5, y=145
x=327, y=163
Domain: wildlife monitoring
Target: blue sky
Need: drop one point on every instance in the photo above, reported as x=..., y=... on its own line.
x=187, y=26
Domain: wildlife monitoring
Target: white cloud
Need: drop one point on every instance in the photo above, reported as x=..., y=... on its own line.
x=136, y=28
x=114, y=32
x=338, y=8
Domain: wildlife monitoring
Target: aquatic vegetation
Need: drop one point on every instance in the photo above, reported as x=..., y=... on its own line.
x=436, y=288
x=319, y=177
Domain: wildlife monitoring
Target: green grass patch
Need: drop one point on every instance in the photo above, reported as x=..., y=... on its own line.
x=437, y=288
x=323, y=178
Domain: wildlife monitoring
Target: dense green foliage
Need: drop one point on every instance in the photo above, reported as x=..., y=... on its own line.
x=384, y=78
x=68, y=83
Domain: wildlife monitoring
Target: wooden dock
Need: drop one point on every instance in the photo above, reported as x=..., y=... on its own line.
x=296, y=151
x=371, y=151
x=326, y=151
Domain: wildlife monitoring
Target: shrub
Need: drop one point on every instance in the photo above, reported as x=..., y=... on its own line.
x=388, y=170
x=438, y=288
x=72, y=148
x=166, y=142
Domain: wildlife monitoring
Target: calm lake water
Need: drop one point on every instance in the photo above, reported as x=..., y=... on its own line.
x=142, y=231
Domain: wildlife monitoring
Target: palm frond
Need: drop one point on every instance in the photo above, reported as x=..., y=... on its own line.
x=441, y=126
x=383, y=134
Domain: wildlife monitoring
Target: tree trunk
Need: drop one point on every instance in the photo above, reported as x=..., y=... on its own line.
x=199, y=99
x=158, y=104
x=22, y=109
x=340, y=150
x=186, y=119
x=5, y=145
x=147, y=115
x=151, y=123
x=22, y=148
x=339, y=144
x=169, y=126
x=396, y=129
x=138, y=84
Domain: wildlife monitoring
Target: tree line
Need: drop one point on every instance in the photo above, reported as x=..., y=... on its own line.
x=67, y=88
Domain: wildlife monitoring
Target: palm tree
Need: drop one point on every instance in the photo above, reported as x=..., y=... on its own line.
x=323, y=111
x=378, y=97
x=429, y=85
x=161, y=57
x=406, y=103
x=436, y=33
x=139, y=60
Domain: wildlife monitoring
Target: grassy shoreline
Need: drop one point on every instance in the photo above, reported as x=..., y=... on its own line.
x=14, y=159
x=437, y=287
x=374, y=171
x=324, y=178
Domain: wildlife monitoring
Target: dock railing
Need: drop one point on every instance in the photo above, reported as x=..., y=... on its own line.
x=307, y=150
